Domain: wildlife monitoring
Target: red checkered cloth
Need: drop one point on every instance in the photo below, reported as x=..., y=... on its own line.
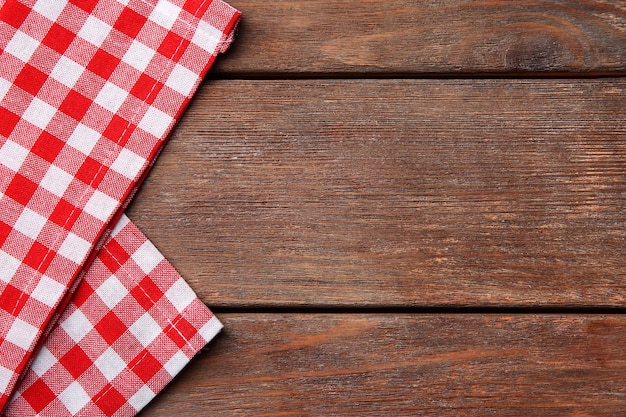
x=89, y=91
x=132, y=324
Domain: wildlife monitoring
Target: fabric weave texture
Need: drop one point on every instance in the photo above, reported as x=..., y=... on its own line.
x=131, y=326
x=89, y=92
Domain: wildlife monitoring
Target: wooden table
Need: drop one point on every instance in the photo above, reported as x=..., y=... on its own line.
x=404, y=208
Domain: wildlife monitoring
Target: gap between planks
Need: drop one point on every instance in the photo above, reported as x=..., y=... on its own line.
x=312, y=76
x=420, y=311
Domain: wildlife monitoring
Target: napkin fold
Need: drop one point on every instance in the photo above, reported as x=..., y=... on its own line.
x=132, y=324
x=89, y=92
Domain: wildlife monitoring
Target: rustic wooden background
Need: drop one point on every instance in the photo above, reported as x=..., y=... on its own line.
x=404, y=208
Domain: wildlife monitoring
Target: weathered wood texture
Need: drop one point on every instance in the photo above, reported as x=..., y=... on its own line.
x=434, y=36
x=386, y=365
x=396, y=192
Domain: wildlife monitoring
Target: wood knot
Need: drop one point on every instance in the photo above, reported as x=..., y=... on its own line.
x=530, y=46
x=537, y=52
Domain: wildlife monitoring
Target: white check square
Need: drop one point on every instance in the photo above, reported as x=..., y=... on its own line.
x=22, y=334
x=74, y=398
x=165, y=14
x=141, y=398
x=30, y=223
x=56, y=181
x=123, y=221
x=22, y=46
x=128, y=163
x=155, y=122
x=211, y=328
x=39, y=113
x=67, y=72
x=180, y=295
x=147, y=257
x=44, y=361
x=182, y=80
x=145, y=329
x=176, y=363
x=138, y=55
x=207, y=37
x=101, y=206
x=111, y=97
x=8, y=266
x=49, y=8
x=110, y=364
x=83, y=138
x=48, y=291
x=77, y=325
x=13, y=155
x=5, y=85
x=74, y=248
x=5, y=378
x=111, y=291
x=94, y=30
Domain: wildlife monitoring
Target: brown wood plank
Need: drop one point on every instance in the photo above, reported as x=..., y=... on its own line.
x=386, y=365
x=447, y=36
x=396, y=192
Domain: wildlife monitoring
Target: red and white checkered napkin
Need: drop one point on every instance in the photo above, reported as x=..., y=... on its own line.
x=132, y=324
x=89, y=91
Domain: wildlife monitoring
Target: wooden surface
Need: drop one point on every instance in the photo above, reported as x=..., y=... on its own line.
x=404, y=208
x=405, y=365
x=304, y=37
x=396, y=192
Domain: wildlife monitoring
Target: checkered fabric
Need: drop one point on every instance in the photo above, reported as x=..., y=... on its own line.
x=132, y=324
x=89, y=91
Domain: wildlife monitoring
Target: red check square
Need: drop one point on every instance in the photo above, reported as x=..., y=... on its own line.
x=114, y=256
x=58, y=38
x=38, y=396
x=38, y=257
x=147, y=293
x=103, y=64
x=119, y=130
x=12, y=300
x=145, y=366
x=91, y=172
x=76, y=361
x=75, y=105
x=30, y=79
x=21, y=189
x=110, y=327
x=8, y=121
x=82, y=294
x=47, y=146
x=173, y=46
x=109, y=400
x=86, y=5
x=130, y=22
x=5, y=230
x=14, y=13
x=65, y=214
x=146, y=88
x=194, y=7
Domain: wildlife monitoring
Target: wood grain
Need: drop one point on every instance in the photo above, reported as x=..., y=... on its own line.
x=396, y=193
x=432, y=37
x=406, y=365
